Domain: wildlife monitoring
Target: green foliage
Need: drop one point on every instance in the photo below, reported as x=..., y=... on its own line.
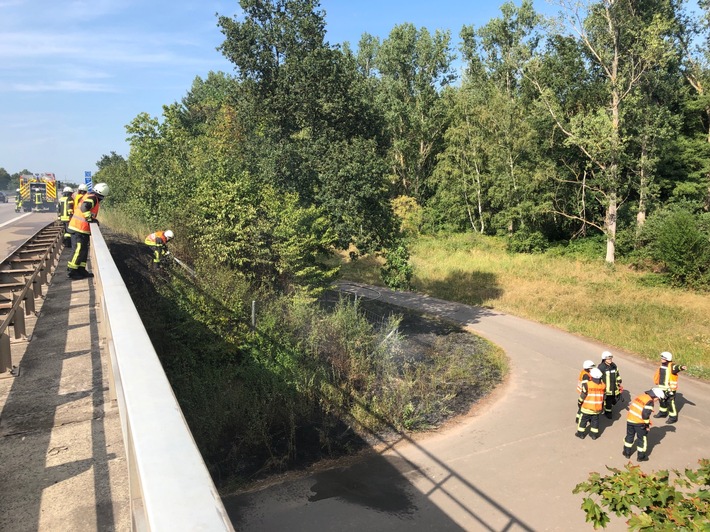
x=397, y=271
x=680, y=241
x=409, y=212
x=527, y=242
x=590, y=248
x=651, y=501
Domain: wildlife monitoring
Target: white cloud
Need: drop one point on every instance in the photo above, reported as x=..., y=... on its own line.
x=61, y=86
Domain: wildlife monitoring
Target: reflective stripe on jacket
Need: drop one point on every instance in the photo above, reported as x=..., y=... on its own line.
x=65, y=208
x=612, y=379
x=640, y=410
x=666, y=378
x=593, y=400
x=84, y=213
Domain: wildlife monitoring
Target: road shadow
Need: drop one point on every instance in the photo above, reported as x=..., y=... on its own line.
x=38, y=402
x=470, y=288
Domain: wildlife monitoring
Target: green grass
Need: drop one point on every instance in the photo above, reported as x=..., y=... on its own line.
x=615, y=305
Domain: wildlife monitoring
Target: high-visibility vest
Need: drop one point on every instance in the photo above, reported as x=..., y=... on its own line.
x=594, y=401
x=665, y=378
x=79, y=222
x=636, y=410
x=583, y=377
x=152, y=239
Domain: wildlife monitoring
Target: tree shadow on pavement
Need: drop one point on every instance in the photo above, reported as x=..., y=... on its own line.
x=471, y=288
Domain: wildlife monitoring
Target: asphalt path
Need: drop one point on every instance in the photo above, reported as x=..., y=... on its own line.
x=511, y=464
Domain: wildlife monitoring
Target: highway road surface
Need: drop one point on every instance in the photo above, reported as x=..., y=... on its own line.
x=16, y=228
x=510, y=465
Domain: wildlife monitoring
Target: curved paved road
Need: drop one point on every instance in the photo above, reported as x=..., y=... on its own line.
x=512, y=465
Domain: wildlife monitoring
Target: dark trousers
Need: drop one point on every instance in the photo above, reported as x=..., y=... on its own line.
x=80, y=243
x=638, y=431
x=667, y=405
x=592, y=420
x=609, y=402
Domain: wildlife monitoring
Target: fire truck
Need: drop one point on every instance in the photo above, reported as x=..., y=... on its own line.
x=39, y=192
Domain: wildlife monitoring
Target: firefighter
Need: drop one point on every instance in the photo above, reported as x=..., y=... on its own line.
x=39, y=200
x=80, y=191
x=65, y=208
x=79, y=228
x=666, y=378
x=591, y=404
x=612, y=381
x=18, y=200
x=157, y=244
x=587, y=365
x=638, y=423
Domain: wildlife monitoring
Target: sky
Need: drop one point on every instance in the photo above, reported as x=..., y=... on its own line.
x=73, y=73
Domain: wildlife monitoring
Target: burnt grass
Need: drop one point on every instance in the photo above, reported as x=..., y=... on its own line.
x=420, y=336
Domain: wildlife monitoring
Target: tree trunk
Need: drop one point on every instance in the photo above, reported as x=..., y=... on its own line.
x=610, y=223
x=643, y=191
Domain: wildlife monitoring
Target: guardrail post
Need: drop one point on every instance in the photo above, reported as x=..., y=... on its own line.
x=5, y=355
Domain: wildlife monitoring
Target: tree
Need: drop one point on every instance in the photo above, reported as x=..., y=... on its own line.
x=5, y=179
x=496, y=56
x=623, y=42
x=413, y=66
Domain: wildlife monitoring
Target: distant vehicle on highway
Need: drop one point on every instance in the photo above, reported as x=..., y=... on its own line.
x=3, y=197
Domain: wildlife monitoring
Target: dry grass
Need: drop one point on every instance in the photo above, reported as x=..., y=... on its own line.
x=611, y=304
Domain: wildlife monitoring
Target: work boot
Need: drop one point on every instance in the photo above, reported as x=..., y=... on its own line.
x=594, y=436
x=671, y=420
x=661, y=414
x=627, y=455
x=580, y=435
x=608, y=415
x=642, y=458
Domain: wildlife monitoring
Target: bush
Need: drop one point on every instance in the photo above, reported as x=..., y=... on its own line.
x=680, y=241
x=397, y=272
x=528, y=242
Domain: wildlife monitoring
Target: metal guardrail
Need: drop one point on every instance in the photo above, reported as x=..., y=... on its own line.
x=22, y=276
x=170, y=487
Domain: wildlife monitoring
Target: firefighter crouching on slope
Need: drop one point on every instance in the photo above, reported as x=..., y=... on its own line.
x=612, y=381
x=591, y=404
x=80, y=230
x=18, y=201
x=65, y=208
x=587, y=365
x=638, y=423
x=157, y=243
x=666, y=378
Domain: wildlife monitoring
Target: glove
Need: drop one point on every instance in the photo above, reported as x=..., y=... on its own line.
x=166, y=253
x=621, y=389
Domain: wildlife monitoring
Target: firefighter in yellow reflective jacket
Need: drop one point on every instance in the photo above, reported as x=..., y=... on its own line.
x=65, y=208
x=18, y=201
x=666, y=378
x=157, y=243
x=80, y=230
x=612, y=381
x=638, y=423
x=591, y=404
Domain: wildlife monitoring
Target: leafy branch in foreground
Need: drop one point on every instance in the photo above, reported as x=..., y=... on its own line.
x=652, y=500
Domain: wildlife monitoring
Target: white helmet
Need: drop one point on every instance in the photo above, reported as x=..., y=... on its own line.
x=588, y=364
x=17, y=190
x=595, y=373
x=82, y=188
x=658, y=392
x=169, y=234
x=666, y=356
x=101, y=189
x=67, y=190
x=607, y=354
